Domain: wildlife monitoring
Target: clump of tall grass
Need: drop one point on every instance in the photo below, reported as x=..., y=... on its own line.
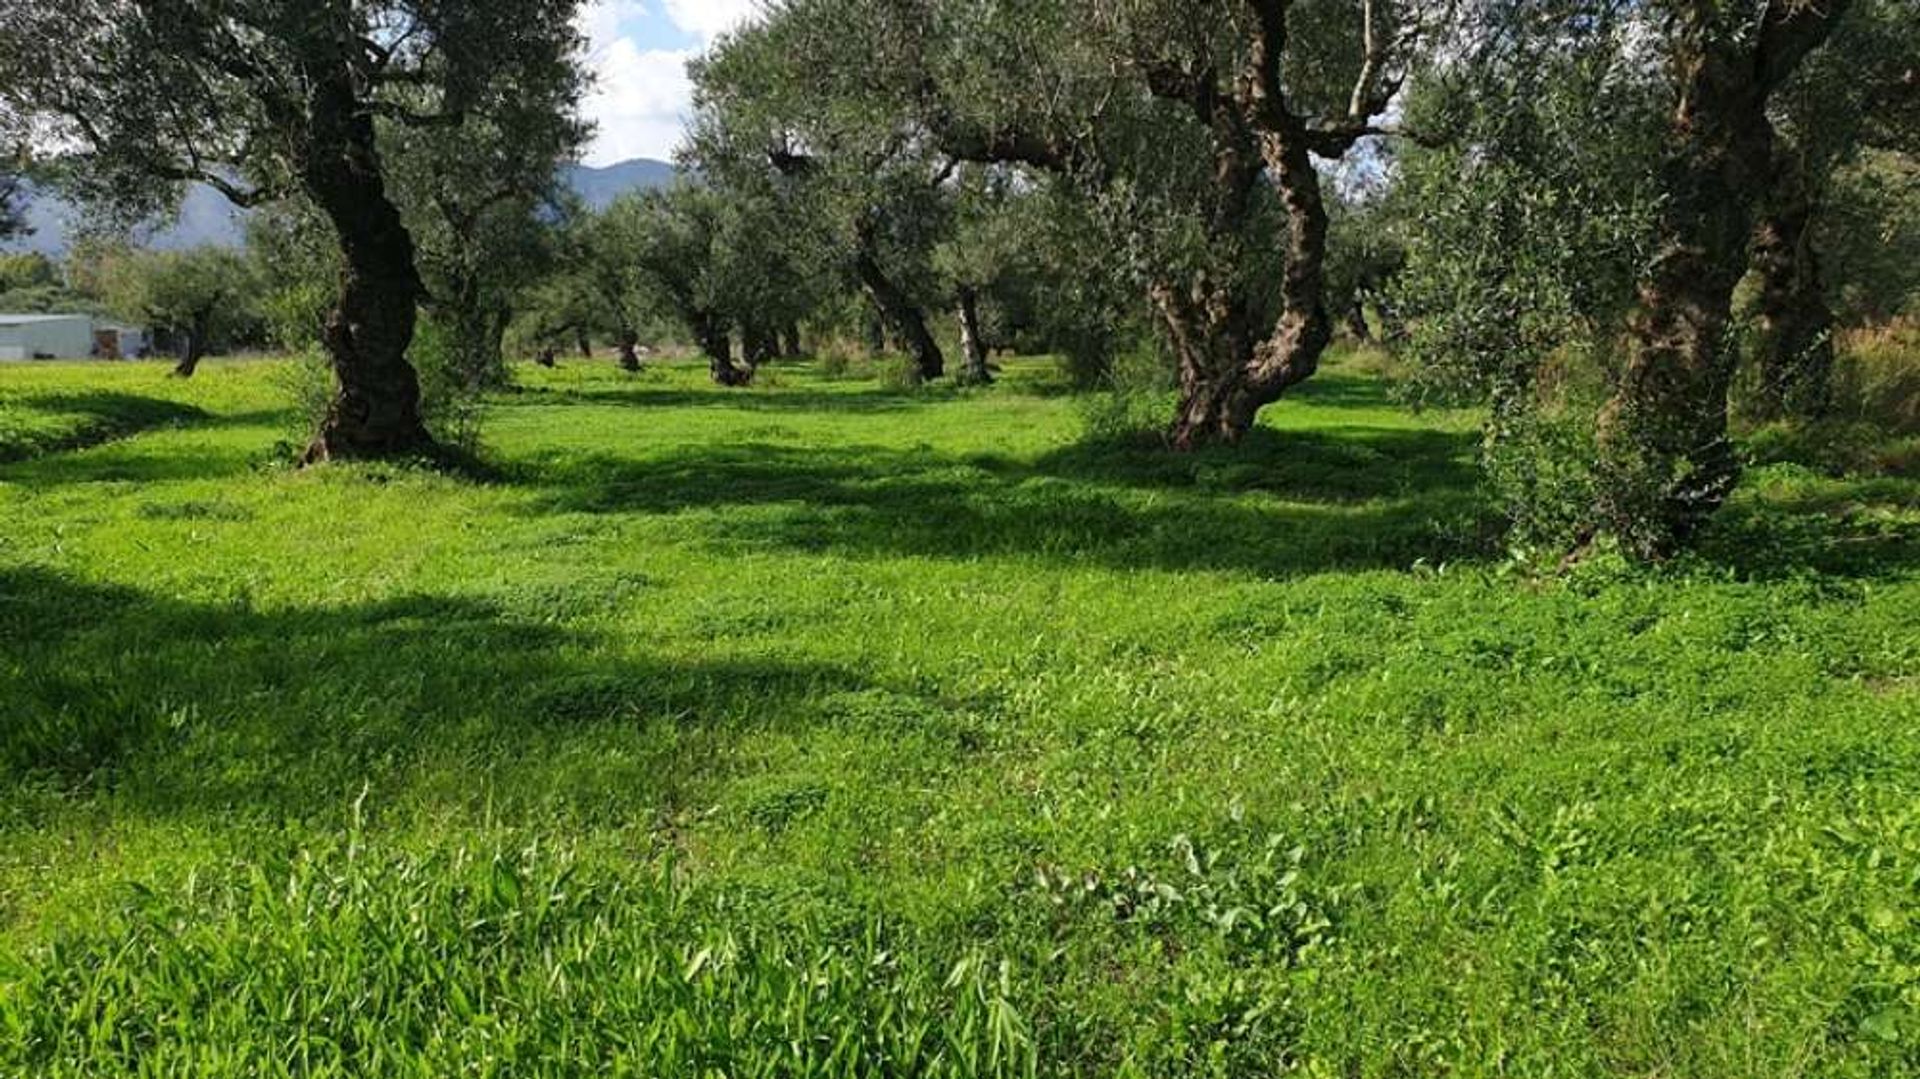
x=508, y=961
x=1134, y=401
x=1876, y=376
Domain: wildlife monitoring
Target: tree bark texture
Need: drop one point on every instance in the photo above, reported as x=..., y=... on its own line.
x=717, y=343
x=1667, y=461
x=194, y=347
x=627, y=347
x=902, y=315
x=973, y=349
x=1794, y=349
x=375, y=411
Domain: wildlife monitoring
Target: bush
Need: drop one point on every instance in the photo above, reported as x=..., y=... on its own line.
x=450, y=403
x=306, y=381
x=1540, y=470
x=899, y=373
x=1876, y=377
x=840, y=358
x=1134, y=403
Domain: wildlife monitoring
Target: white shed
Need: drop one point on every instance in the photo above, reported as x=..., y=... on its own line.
x=32, y=337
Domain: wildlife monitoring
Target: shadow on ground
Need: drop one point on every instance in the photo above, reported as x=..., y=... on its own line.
x=862, y=400
x=94, y=417
x=179, y=708
x=1284, y=503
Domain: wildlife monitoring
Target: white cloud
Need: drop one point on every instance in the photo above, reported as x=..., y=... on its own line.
x=640, y=102
x=708, y=19
x=642, y=97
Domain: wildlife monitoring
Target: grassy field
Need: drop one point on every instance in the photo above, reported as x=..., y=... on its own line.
x=815, y=730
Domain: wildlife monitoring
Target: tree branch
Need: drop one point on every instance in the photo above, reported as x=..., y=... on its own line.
x=1790, y=30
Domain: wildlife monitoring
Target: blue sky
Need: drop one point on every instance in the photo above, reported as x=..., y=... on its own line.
x=638, y=51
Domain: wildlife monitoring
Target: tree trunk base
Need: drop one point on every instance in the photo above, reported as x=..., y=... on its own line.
x=726, y=373
x=345, y=437
x=1215, y=413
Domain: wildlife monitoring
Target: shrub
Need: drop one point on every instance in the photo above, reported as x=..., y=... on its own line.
x=1539, y=466
x=449, y=400
x=1876, y=377
x=899, y=373
x=1134, y=403
x=840, y=359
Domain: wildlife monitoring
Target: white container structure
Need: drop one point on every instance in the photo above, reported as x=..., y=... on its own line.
x=46, y=337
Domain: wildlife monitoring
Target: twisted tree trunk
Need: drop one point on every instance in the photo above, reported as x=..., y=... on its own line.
x=194, y=347
x=375, y=411
x=1795, y=346
x=1667, y=461
x=717, y=343
x=758, y=344
x=627, y=347
x=1357, y=321
x=901, y=314
x=973, y=350
x=1227, y=375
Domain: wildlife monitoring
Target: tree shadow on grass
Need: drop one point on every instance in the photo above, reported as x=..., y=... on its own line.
x=1860, y=529
x=96, y=416
x=144, y=466
x=866, y=400
x=1344, y=391
x=1348, y=464
x=1286, y=504
x=177, y=709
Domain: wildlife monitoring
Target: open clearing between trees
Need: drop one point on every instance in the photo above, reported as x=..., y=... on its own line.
x=820, y=730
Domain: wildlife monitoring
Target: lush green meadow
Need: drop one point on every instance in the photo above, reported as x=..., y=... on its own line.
x=816, y=729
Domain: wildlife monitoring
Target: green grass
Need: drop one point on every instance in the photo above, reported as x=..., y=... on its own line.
x=34, y=421
x=815, y=730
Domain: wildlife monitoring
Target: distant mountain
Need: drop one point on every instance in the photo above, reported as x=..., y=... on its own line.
x=600, y=186
x=206, y=217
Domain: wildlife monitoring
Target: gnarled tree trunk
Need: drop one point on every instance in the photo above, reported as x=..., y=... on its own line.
x=790, y=345
x=1667, y=460
x=903, y=316
x=1357, y=321
x=627, y=346
x=1795, y=346
x=758, y=344
x=194, y=347
x=375, y=411
x=1207, y=329
x=1226, y=375
x=583, y=342
x=973, y=350
x=717, y=343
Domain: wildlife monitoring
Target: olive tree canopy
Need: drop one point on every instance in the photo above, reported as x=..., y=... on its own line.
x=262, y=99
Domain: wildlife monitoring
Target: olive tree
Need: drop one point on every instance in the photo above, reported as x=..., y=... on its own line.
x=197, y=295
x=781, y=114
x=478, y=199
x=262, y=99
x=1857, y=95
x=1204, y=127
x=1668, y=460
